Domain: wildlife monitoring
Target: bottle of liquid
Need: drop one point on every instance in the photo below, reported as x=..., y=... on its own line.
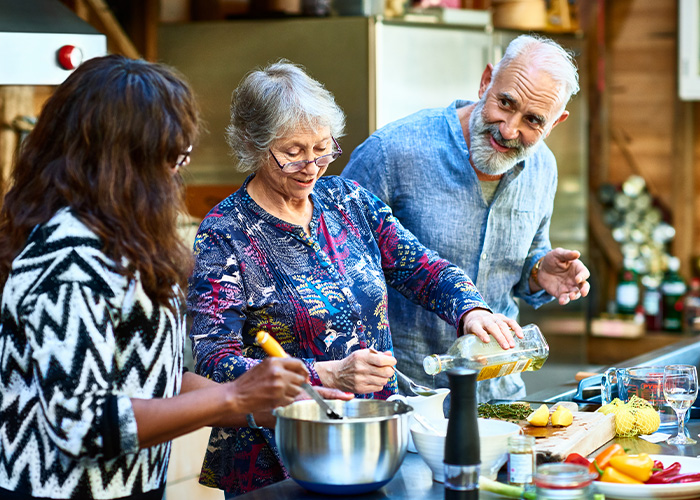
x=490, y=360
x=691, y=307
x=627, y=291
x=462, y=448
x=652, y=304
x=672, y=292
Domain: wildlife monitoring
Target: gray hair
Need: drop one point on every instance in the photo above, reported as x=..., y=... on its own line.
x=273, y=102
x=550, y=57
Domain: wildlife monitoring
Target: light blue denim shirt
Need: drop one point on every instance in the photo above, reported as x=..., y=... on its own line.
x=419, y=166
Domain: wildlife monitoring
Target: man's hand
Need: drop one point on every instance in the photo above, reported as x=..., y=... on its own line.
x=485, y=324
x=563, y=276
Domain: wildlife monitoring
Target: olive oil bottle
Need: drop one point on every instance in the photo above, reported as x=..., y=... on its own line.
x=489, y=359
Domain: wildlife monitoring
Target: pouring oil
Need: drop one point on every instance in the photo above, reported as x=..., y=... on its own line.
x=489, y=359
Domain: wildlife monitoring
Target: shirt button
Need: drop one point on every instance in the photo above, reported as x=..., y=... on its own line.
x=484, y=256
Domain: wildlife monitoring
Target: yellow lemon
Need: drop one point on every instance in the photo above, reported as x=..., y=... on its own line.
x=539, y=417
x=648, y=420
x=562, y=417
x=624, y=422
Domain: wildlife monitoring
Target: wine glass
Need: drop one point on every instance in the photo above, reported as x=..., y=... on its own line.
x=680, y=391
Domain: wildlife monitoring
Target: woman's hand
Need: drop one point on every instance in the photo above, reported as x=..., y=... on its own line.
x=274, y=382
x=485, y=324
x=361, y=373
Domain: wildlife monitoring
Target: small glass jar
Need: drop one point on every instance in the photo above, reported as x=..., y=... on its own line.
x=521, y=459
x=562, y=481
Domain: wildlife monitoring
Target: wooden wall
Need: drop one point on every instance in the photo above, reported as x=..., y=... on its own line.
x=639, y=126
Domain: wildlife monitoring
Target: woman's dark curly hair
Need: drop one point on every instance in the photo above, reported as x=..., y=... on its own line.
x=105, y=145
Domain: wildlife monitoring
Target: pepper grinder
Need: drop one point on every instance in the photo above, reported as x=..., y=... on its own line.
x=462, y=453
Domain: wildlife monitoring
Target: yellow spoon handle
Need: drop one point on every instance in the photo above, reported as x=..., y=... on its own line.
x=270, y=345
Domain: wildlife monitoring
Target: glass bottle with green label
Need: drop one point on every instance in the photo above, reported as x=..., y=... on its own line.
x=672, y=291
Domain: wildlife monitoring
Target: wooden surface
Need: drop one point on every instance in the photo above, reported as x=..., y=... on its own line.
x=609, y=350
x=588, y=432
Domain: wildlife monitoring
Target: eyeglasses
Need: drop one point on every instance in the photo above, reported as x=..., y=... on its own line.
x=183, y=158
x=321, y=162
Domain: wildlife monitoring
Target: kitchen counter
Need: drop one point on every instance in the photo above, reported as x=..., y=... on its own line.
x=414, y=479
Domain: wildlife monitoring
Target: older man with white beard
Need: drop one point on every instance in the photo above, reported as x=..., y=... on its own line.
x=476, y=182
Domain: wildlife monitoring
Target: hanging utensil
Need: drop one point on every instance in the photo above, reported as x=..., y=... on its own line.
x=272, y=348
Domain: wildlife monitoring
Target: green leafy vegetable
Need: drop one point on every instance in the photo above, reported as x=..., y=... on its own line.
x=513, y=412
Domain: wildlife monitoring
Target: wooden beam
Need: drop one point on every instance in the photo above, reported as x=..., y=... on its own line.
x=683, y=186
x=115, y=34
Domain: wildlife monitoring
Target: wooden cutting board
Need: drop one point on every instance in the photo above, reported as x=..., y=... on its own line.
x=588, y=432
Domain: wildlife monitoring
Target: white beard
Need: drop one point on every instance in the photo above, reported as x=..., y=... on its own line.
x=484, y=157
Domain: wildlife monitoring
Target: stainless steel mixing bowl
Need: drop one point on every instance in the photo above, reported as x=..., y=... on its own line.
x=357, y=454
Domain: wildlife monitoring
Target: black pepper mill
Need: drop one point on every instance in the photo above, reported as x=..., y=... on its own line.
x=462, y=453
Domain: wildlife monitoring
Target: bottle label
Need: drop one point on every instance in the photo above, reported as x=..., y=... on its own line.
x=504, y=369
x=673, y=288
x=520, y=468
x=628, y=295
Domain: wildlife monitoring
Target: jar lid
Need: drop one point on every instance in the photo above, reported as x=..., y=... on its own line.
x=563, y=476
x=521, y=439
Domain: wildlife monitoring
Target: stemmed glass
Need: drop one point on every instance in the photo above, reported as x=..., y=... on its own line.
x=680, y=391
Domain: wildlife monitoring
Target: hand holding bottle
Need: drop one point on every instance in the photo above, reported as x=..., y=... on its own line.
x=485, y=324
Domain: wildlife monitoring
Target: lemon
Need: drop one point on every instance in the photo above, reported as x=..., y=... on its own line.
x=539, y=417
x=562, y=417
x=648, y=420
x=611, y=406
x=624, y=421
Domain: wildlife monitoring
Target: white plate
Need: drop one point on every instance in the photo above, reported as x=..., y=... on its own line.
x=637, y=491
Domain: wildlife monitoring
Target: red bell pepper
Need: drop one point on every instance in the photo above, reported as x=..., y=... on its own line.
x=665, y=473
x=576, y=458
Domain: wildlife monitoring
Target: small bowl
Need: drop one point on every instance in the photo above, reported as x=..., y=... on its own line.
x=493, y=443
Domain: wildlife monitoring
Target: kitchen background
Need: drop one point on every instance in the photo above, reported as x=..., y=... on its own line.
x=628, y=156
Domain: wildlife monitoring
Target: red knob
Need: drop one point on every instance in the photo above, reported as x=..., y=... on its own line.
x=70, y=57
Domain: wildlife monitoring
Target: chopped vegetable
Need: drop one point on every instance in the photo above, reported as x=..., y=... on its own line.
x=635, y=466
x=512, y=412
x=611, y=475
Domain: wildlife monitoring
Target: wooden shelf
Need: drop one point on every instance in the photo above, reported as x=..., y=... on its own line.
x=612, y=350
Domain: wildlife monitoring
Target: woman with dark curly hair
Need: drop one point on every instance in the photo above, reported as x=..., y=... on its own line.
x=92, y=330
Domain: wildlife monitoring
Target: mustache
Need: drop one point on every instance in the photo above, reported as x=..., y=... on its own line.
x=506, y=143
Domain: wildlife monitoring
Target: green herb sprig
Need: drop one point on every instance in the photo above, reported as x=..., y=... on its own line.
x=512, y=412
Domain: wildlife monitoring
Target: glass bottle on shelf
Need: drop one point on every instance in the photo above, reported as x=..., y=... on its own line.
x=672, y=291
x=627, y=290
x=691, y=307
x=652, y=304
x=489, y=359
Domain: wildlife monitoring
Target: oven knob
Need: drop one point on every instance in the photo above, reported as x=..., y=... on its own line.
x=70, y=57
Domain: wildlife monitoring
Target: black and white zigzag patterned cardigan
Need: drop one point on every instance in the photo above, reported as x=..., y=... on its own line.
x=77, y=342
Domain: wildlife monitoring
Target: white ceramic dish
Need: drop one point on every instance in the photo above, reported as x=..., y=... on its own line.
x=493, y=443
x=656, y=491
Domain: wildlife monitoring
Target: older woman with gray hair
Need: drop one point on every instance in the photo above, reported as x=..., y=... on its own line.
x=307, y=259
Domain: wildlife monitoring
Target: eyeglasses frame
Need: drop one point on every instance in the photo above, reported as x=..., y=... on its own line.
x=304, y=163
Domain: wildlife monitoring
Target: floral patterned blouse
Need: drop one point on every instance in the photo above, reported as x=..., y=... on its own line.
x=322, y=297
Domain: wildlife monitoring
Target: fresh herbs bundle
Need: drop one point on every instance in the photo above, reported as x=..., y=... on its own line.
x=512, y=412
